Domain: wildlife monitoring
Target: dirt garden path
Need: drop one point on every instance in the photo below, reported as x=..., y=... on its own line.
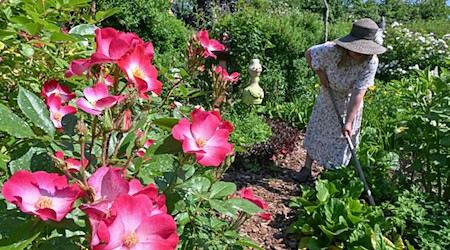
x=275, y=185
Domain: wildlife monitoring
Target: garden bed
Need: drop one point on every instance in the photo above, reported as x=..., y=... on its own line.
x=275, y=185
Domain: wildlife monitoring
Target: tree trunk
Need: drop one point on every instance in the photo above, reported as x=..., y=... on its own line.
x=325, y=21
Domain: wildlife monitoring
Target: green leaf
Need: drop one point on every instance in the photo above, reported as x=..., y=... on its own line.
x=22, y=236
x=34, y=108
x=169, y=146
x=221, y=189
x=83, y=29
x=197, y=185
x=13, y=125
x=223, y=207
x=249, y=243
x=100, y=15
x=244, y=205
x=5, y=35
x=32, y=28
x=168, y=123
x=27, y=50
x=322, y=192
x=59, y=36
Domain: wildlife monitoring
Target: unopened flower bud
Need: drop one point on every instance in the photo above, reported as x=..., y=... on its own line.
x=81, y=128
x=141, y=139
x=107, y=123
x=124, y=123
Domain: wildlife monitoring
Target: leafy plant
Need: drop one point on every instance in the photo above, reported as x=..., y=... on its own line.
x=331, y=215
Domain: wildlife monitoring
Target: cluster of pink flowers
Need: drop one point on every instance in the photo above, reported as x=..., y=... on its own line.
x=122, y=213
x=126, y=215
x=130, y=53
x=56, y=95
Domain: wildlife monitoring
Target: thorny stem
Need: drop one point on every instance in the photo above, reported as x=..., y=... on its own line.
x=94, y=125
x=83, y=170
x=128, y=161
x=105, y=149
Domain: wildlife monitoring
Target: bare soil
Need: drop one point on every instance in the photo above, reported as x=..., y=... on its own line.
x=273, y=183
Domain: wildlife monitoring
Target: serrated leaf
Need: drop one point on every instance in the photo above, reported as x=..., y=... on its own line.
x=169, y=146
x=34, y=108
x=32, y=28
x=244, y=205
x=223, y=207
x=83, y=29
x=13, y=125
x=221, y=189
x=166, y=122
x=197, y=184
x=22, y=236
x=100, y=15
x=59, y=36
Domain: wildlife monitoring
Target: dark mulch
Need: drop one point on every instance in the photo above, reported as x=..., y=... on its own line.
x=273, y=182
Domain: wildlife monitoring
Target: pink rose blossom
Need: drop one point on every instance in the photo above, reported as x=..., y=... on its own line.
x=138, y=69
x=56, y=111
x=45, y=195
x=108, y=183
x=204, y=137
x=112, y=45
x=133, y=226
x=53, y=87
x=78, y=67
x=97, y=99
x=248, y=195
x=209, y=45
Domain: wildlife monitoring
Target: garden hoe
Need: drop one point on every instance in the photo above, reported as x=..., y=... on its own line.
x=352, y=148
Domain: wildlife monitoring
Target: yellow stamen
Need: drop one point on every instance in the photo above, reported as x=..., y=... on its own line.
x=130, y=240
x=137, y=72
x=44, y=202
x=57, y=116
x=201, y=142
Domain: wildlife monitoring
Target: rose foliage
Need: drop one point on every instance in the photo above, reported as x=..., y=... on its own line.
x=106, y=128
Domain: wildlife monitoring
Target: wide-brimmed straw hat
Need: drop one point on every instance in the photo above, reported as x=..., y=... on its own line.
x=362, y=38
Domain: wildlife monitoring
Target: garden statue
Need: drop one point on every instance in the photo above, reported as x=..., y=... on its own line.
x=253, y=93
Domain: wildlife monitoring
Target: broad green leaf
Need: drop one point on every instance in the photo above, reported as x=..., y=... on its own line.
x=59, y=36
x=22, y=236
x=244, y=205
x=31, y=157
x=34, y=108
x=322, y=192
x=32, y=28
x=12, y=124
x=197, y=184
x=83, y=29
x=223, y=207
x=249, y=243
x=169, y=146
x=221, y=189
x=27, y=50
x=166, y=122
x=5, y=35
x=100, y=15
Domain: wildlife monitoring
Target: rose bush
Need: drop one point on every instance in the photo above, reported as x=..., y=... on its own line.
x=108, y=134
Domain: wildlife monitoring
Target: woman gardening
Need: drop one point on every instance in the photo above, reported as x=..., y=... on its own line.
x=348, y=66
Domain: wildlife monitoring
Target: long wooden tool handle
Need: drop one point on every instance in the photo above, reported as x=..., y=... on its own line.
x=352, y=148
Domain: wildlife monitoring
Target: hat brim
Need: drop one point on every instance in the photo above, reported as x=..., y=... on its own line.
x=362, y=46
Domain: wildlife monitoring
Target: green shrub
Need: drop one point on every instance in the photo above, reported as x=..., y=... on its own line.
x=279, y=40
x=152, y=21
x=424, y=223
x=250, y=128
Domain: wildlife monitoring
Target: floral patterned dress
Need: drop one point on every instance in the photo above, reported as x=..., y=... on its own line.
x=324, y=140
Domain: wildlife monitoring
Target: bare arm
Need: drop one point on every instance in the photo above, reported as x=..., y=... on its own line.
x=320, y=73
x=353, y=106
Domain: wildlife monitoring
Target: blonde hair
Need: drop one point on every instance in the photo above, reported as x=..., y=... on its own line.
x=346, y=59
